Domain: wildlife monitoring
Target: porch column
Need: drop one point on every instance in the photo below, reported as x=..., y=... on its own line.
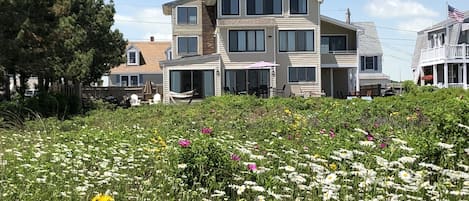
x=435, y=75
x=445, y=73
x=464, y=75
x=332, y=82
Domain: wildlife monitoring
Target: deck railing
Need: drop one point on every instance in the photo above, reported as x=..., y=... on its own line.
x=445, y=52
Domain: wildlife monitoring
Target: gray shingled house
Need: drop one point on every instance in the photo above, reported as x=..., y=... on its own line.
x=441, y=54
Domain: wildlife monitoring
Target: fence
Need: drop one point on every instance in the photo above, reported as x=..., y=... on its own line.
x=119, y=92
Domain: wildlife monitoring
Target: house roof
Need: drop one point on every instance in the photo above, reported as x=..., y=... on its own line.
x=339, y=23
x=190, y=60
x=150, y=55
x=167, y=7
x=444, y=23
x=368, y=39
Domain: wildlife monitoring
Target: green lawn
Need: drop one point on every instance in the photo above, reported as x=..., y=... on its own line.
x=413, y=147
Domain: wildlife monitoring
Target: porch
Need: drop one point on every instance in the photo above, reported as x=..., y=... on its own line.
x=446, y=53
x=447, y=75
x=338, y=82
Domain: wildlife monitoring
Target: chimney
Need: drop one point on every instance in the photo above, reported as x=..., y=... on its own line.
x=347, y=16
x=152, y=39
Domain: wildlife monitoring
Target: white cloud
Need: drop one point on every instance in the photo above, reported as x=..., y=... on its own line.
x=398, y=8
x=142, y=24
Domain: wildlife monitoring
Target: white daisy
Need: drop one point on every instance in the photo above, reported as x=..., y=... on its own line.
x=406, y=176
x=182, y=166
x=406, y=159
x=330, y=178
x=258, y=188
x=444, y=145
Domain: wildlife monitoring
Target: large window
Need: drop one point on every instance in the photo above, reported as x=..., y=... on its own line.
x=187, y=15
x=230, y=7
x=296, y=41
x=298, y=7
x=247, y=40
x=301, y=74
x=369, y=63
x=264, y=7
x=187, y=46
x=333, y=43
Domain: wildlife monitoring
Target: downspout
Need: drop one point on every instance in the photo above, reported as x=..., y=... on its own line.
x=357, y=79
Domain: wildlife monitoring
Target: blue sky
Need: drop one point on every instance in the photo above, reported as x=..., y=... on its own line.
x=397, y=22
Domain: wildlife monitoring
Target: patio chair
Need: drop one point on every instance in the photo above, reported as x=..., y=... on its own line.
x=134, y=101
x=156, y=99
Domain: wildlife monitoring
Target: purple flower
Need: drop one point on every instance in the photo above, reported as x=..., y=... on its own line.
x=184, y=143
x=206, y=131
x=383, y=145
x=235, y=157
x=370, y=137
x=252, y=166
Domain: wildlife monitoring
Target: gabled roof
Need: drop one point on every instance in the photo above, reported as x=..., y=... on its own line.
x=444, y=23
x=150, y=55
x=167, y=7
x=368, y=39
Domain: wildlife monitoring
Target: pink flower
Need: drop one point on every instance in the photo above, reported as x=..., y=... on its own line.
x=322, y=131
x=290, y=137
x=332, y=133
x=252, y=166
x=383, y=145
x=235, y=157
x=206, y=131
x=370, y=137
x=184, y=143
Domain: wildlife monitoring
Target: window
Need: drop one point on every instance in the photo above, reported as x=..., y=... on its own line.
x=369, y=63
x=187, y=45
x=264, y=7
x=187, y=15
x=202, y=81
x=298, y=7
x=247, y=40
x=230, y=7
x=301, y=74
x=296, y=41
x=129, y=80
x=132, y=58
x=333, y=43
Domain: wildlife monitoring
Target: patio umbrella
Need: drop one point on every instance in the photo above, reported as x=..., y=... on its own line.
x=261, y=65
x=427, y=77
x=147, y=88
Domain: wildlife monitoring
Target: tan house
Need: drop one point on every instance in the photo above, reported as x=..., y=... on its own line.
x=216, y=42
x=142, y=64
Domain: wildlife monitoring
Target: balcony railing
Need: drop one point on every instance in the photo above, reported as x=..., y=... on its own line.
x=447, y=52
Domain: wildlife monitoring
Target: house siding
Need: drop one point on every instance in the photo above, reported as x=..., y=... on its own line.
x=187, y=30
x=208, y=29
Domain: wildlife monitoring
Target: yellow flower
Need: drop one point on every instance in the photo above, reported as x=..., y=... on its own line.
x=316, y=156
x=287, y=111
x=101, y=197
x=333, y=166
x=394, y=114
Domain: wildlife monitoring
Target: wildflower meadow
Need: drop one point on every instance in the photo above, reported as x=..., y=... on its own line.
x=410, y=147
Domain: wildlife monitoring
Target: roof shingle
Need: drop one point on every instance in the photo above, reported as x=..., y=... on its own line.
x=151, y=53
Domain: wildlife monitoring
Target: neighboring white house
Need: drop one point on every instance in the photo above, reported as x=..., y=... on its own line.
x=442, y=54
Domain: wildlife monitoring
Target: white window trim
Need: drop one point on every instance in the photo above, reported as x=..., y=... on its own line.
x=220, y=10
x=137, y=57
x=246, y=29
x=188, y=36
x=346, y=40
x=187, y=6
x=307, y=9
x=269, y=15
x=302, y=66
x=299, y=52
x=129, y=79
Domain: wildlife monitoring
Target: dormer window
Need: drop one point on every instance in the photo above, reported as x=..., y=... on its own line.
x=298, y=7
x=132, y=57
x=187, y=15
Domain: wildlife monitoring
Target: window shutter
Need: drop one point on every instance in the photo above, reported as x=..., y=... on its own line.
x=118, y=79
x=362, y=63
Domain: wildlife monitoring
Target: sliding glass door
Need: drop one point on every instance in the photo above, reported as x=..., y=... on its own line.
x=202, y=81
x=255, y=82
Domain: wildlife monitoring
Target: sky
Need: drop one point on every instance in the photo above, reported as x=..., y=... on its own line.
x=397, y=21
